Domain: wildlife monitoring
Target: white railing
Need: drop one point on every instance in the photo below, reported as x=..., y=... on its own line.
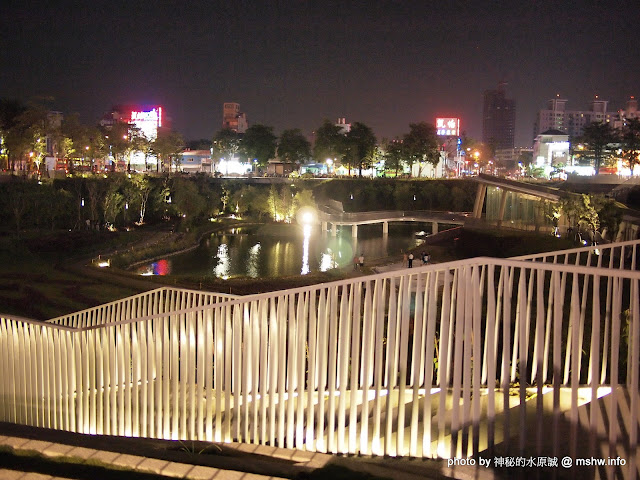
x=473, y=357
x=163, y=299
x=622, y=255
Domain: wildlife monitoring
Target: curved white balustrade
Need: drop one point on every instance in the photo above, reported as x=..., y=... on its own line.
x=483, y=355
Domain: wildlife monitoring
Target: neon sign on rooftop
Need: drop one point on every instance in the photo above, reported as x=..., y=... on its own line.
x=148, y=122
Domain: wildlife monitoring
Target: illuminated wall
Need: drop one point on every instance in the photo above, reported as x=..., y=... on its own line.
x=147, y=121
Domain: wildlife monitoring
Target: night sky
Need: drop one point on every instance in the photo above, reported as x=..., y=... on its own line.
x=293, y=64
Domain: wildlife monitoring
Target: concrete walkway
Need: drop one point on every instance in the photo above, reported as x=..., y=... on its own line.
x=130, y=462
x=282, y=458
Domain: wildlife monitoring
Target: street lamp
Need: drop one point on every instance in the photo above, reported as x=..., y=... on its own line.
x=86, y=149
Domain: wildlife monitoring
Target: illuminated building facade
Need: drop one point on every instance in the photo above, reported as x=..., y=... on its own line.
x=551, y=149
x=148, y=121
x=630, y=111
x=144, y=121
x=233, y=118
x=572, y=122
x=498, y=118
x=195, y=161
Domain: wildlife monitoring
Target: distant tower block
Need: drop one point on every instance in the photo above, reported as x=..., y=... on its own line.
x=233, y=118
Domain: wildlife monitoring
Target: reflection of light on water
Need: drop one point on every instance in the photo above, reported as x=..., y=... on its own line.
x=252, y=261
x=306, y=229
x=224, y=262
x=326, y=261
x=161, y=267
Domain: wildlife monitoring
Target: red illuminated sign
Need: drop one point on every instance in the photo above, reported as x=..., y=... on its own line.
x=448, y=127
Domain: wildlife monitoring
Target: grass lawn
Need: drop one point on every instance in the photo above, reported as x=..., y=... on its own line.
x=41, y=285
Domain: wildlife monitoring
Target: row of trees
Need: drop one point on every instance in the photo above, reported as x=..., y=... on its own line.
x=31, y=132
x=120, y=200
x=601, y=143
x=357, y=149
x=79, y=203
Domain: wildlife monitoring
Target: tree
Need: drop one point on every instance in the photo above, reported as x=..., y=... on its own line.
x=95, y=190
x=76, y=137
x=55, y=203
x=293, y=146
x=303, y=198
x=630, y=142
x=597, y=138
x=17, y=196
x=393, y=155
x=112, y=203
x=143, y=188
x=329, y=142
x=117, y=140
x=200, y=144
x=609, y=215
x=10, y=111
x=136, y=144
x=259, y=144
x=226, y=144
x=140, y=143
x=187, y=199
x=167, y=146
x=421, y=144
x=360, y=143
x=25, y=139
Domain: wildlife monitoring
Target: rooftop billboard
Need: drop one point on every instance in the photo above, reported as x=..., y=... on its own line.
x=448, y=127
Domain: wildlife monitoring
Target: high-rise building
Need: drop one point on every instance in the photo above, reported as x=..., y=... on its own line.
x=498, y=118
x=630, y=111
x=572, y=122
x=233, y=118
x=343, y=125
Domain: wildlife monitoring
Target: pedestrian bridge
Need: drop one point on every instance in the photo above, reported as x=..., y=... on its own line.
x=332, y=219
x=536, y=356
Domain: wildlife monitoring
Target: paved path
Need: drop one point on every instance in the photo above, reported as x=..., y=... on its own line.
x=130, y=462
x=289, y=463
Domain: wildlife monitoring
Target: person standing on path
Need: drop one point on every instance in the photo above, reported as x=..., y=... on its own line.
x=405, y=258
x=411, y=260
x=361, y=261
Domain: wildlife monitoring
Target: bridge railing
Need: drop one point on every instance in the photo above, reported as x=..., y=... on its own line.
x=621, y=255
x=481, y=355
x=163, y=299
x=428, y=215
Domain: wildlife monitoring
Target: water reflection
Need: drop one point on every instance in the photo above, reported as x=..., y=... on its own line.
x=224, y=262
x=305, y=249
x=253, y=260
x=327, y=262
x=246, y=253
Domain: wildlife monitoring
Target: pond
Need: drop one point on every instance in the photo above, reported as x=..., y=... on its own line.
x=250, y=252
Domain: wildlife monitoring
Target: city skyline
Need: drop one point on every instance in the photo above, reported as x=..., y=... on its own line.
x=294, y=65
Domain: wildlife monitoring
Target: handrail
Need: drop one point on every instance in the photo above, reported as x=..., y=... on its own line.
x=421, y=362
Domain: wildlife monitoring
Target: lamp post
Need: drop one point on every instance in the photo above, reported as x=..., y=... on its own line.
x=126, y=138
x=86, y=150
